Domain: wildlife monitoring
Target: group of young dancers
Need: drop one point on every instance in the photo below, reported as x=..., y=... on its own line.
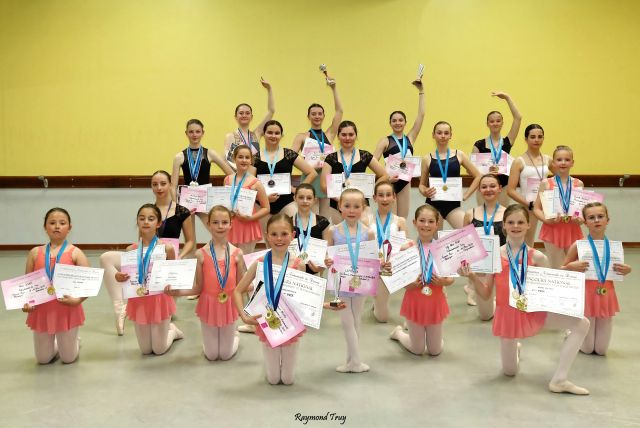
x=222, y=279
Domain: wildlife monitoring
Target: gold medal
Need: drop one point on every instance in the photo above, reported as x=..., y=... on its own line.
x=515, y=294
x=322, y=157
x=445, y=188
x=354, y=282
x=566, y=219
x=193, y=184
x=272, y=320
x=521, y=303
x=222, y=297
x=601, y=291
x=380, y=254
x=50, y=290
x=427, y=291
x=140, y=291
x=303, y=256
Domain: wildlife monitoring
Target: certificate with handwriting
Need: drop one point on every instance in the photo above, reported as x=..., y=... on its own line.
x=30, y=288
x=460, y=245
x=553, y=290
x=453, y=186
x=177, y=273
x=77, y=281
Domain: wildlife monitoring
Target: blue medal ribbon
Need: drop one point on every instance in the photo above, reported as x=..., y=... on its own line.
x=426, y=262
x=246, y=143
x=271, y=163
x=47, y=259
x=221, y=280
x=272, y=290
x=565, y=193
x=496, y=154
x=235, y=190
x=347, y=168
x=518, y=281
x=166, y=216
x=305, y=234
x=602, y=267
x=488, y=224
x=194, y=164
x=403, y=147
x=384, y=231
x=443, y=171
x=353, y=253
x=143, y=261
x=318, y=139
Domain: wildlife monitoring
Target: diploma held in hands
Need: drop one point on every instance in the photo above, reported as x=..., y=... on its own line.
x=193, y=197
x=398, y=167
x=313, y=154
x=364, y=182
x=367, y=272
x=316, y=250
x=77, y=281
x=453, y=186
x=222, y=196
x=484, y=162
x=177, y=273
x=491, y=244
x=30, y=288
x=276, y=183
x=553, y=290
x=461, y=245
x=405, y=268
x=616, y=252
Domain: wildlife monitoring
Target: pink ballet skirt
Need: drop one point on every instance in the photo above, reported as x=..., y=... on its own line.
x=242, y=232
x=295, y=338
x=512, y=323
x=54, y=317
x=209, y=309
x=562, y=235
x=598, y=305
x=150, y=309
x=424, y=310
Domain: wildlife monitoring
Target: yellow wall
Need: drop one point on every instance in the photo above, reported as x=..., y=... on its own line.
x=104, y=87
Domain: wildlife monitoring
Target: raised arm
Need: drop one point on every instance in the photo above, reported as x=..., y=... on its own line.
x=271, y=109
x=517, y=117
x=382, y=145
x=332, y=131
x=417, y=124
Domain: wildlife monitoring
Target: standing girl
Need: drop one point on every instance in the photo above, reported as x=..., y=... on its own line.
x=511, y=324
x=424, y=304
x=245, y=230
x=280, y=361
x=560, y=232
x=347, y=160
x=324, y=139
x=528, y=171
x=277, y=160
x=494, y=143
x=487, y=216
x=195, y=162
x=307, y=224
x=243, y=135
x=151, y=314
x=55, y=324
x=399, y=143
x=220, y=267
x=601, y=302
x=386, y=223
x=443, y=165
x=351, y=232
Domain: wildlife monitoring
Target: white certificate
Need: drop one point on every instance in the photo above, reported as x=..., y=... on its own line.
x=484, y=162
x=281, y=183
x=357, y=180
x=491, y=244
x=30, y=288
x=221, y=195
x=316, y=250
x=460, y=245
x=194, y=198
x=77, y=281
x=616, y=253
x=453, y=192
x=405, y=268
x=417, y=161
x=304, y=292
x=553, y=290
x=129, y=265
x=177, y=273
x=368, y=250
x=131, y=257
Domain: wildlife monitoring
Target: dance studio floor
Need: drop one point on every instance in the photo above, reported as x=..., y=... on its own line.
x=112, y=385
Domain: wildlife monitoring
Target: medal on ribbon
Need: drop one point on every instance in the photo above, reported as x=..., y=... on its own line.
x=496, y=153
x=355, y=281
x=319, y=139
x=305, y=235
x=444, y=171
x=144, y=260
x=273, y=290
x=235, y=191
x=404, y=147
x=50, y=269
x=518, y=275
x=488, y=224
x=271, y=164
x=194, y=165
x=347, y=168
x=426, y=263
x=565, y=196
x=601, y=265
x=222, y=280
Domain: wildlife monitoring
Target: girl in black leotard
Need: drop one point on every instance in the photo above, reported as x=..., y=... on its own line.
x=304, y=218
x=399, y=143
x=450, y=210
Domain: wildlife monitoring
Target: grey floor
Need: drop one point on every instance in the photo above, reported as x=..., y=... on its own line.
x=113, y=385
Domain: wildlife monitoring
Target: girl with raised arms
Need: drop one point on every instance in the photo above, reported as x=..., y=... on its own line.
x=511, y=324
x=219, y=268
x=280, y=361
x=399, y=143
x=55, y=324
x=323, y=139
x=528, y=171
x=444, y=164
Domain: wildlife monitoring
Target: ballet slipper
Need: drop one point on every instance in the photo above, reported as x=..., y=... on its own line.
x=353, y=368
x=568, y=387
x=394, y=332
x=405, y=326
x=179, y=334
x=246, y=328
x=470, y=298
x=120, y=309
